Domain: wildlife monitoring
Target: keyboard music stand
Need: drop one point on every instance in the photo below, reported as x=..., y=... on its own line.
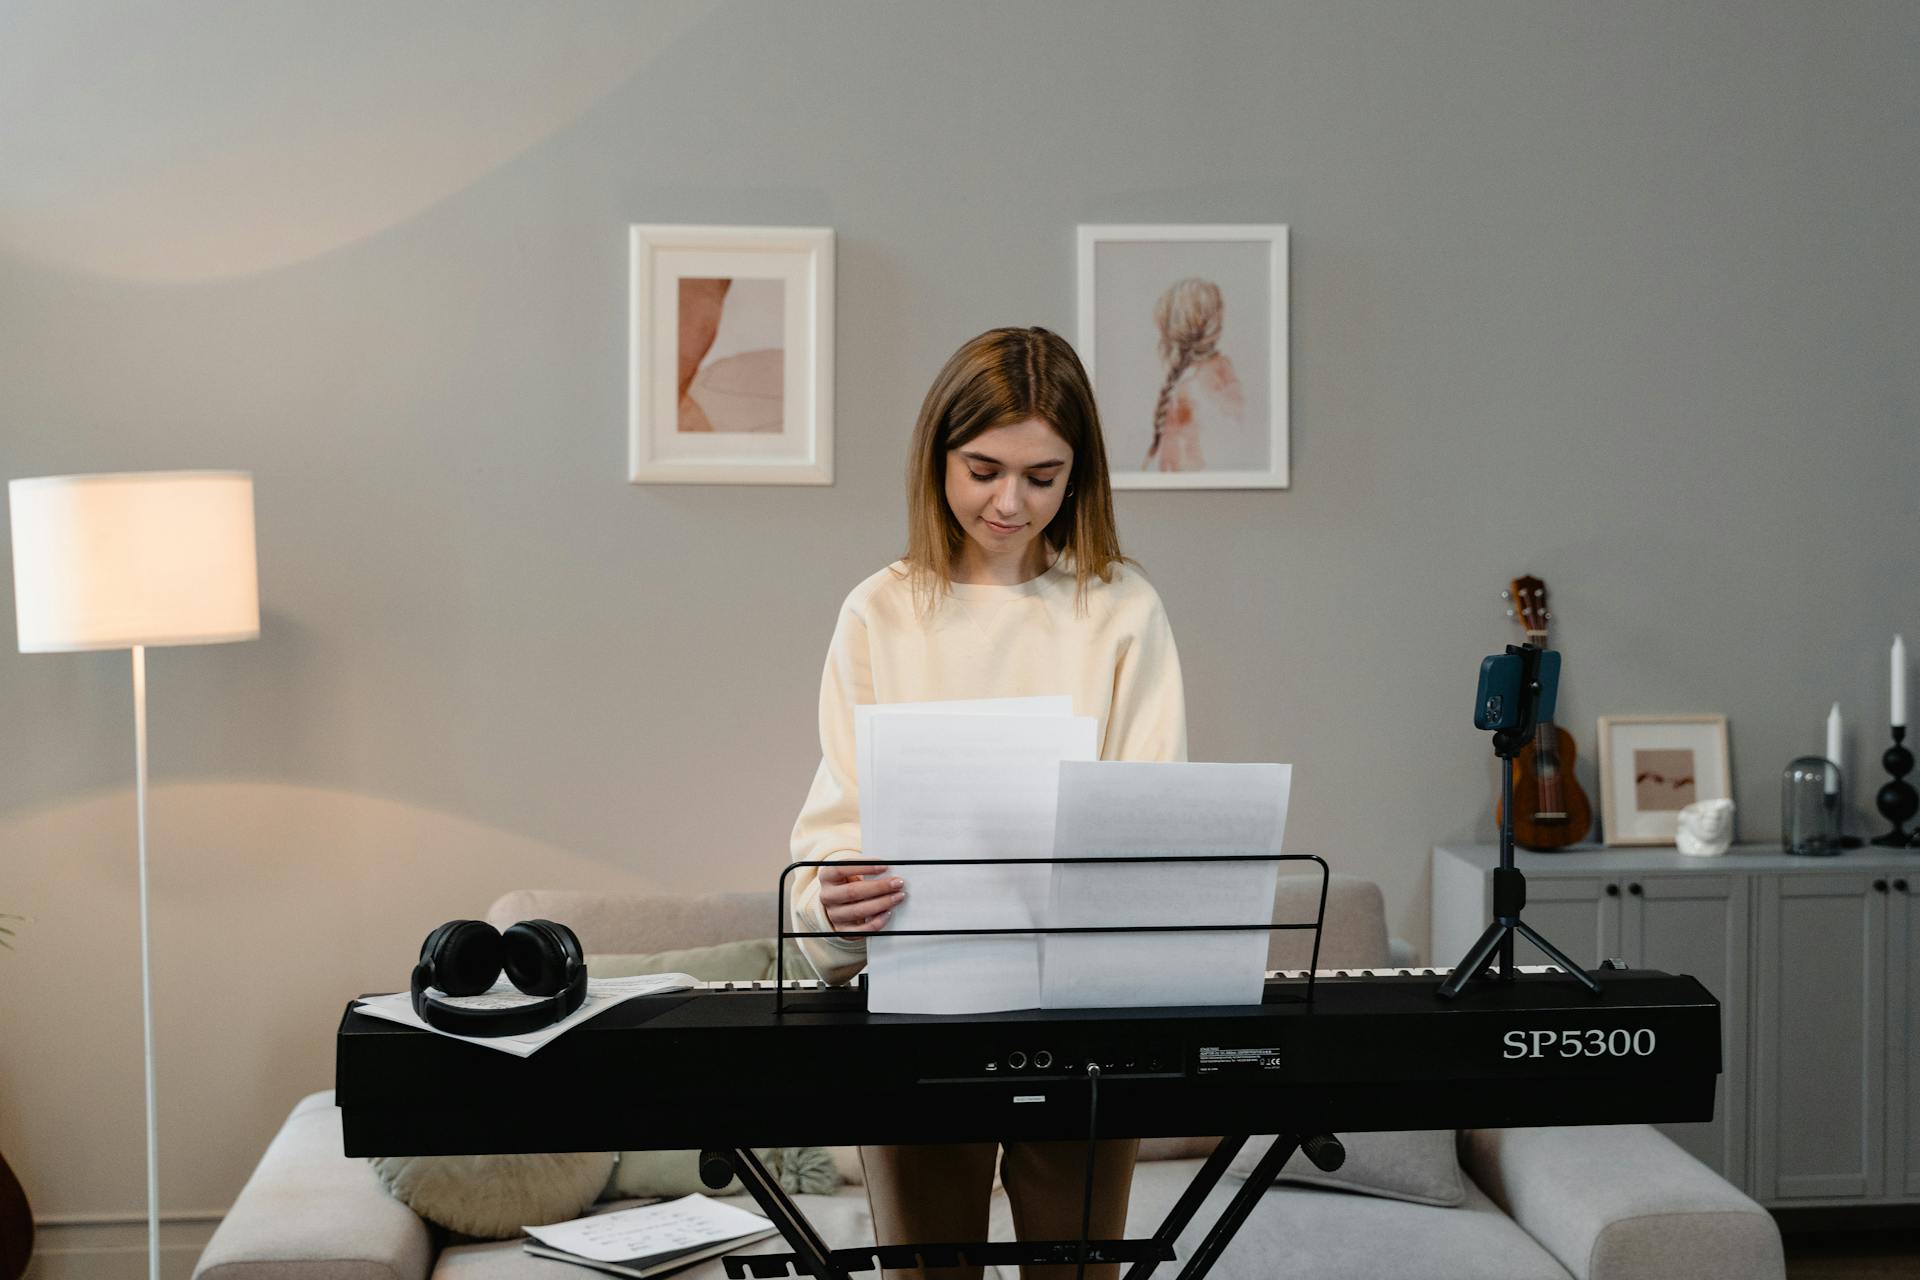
x=1509, y=886
x=812, y=1256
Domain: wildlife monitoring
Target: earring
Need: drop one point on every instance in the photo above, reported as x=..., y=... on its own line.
x=1069, y=491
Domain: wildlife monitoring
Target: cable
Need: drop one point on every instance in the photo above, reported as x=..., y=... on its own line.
x=1086, y=1202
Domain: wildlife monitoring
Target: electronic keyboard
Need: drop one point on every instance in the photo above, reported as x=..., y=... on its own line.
x=1343, y=1050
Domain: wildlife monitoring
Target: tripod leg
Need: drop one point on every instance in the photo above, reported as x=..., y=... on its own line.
x=1475, y=961
x=1554, y=954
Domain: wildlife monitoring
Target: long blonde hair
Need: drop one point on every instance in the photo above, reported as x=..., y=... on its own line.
x=1189, y=317
x=1003, y=377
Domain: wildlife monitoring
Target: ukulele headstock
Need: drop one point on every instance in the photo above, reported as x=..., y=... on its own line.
x=1527, y=604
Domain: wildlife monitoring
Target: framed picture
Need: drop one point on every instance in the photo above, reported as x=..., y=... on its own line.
x=730, y=367
x=1183, y=330
x=1651, y=767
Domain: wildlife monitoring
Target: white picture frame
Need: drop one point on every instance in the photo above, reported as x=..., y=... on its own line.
x=1652, y=766
x=751, y=400
x=1232, y=401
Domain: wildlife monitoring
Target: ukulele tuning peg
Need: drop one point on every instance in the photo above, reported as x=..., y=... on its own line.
x=1509, y=613
x=1506, y=595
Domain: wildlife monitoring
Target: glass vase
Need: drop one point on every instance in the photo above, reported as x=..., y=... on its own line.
x=1810, y=800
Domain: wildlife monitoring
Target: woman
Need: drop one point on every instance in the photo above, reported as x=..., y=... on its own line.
x=1013, y=585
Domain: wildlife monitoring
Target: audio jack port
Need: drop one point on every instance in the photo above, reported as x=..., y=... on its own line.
x=1016, y=1060
x=1042, y=1060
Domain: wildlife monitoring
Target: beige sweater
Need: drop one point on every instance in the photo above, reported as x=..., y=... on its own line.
x=1117, y=661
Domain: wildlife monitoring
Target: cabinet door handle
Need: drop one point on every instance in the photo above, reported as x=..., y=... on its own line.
x=1613, y=891
x=1879, y=886
x=1634, y=889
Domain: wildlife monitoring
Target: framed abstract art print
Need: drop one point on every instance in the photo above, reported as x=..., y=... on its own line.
x=730, y=360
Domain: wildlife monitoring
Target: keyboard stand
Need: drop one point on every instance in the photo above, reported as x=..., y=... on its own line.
x=812, y=1257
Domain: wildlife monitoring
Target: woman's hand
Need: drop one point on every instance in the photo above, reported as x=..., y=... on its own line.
x=858, y=897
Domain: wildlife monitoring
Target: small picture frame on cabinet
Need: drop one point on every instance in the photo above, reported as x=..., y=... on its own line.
x=1651, y=767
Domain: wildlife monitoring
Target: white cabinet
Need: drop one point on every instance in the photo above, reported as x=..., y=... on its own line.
x=1698, y=925
x=1816, y=966
x=1820, y=1090
x=1903, y=1035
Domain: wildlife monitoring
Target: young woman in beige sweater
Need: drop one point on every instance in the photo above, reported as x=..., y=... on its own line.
x=1013, y=585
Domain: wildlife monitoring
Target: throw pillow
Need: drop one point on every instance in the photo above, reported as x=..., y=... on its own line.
x=808, y=1171
x=642, y=1174
x=492, y=1197
x=1420, y=1166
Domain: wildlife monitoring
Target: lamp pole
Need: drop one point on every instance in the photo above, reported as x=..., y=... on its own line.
x=146, y=965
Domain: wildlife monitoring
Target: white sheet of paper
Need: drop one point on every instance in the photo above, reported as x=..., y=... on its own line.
x=1124, y=808
x=964, y=784
x=650, y=1230
x=602, y=994
x=863, y=714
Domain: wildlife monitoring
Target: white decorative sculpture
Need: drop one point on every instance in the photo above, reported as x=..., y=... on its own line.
x=1706, y=828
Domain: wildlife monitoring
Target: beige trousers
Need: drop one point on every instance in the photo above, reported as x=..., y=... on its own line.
x=937, y=1194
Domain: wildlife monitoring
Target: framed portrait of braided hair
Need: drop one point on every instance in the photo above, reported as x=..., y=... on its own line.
x=1183, y=330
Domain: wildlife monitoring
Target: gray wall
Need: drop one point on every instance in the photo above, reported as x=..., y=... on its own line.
x=1621, y=295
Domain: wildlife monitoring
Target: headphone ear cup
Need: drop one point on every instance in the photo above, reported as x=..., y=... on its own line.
x=433, y=940
x=541, y=956
x=464, y=956
x=569, y=942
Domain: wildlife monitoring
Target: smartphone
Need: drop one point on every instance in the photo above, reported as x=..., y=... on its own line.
x=1498, y=705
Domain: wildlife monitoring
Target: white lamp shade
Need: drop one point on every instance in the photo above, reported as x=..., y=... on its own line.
x=134, y=558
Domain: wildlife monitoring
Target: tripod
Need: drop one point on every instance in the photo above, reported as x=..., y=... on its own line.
x=1536, y=683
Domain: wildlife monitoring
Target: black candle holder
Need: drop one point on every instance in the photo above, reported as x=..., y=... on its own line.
x=1896, y=800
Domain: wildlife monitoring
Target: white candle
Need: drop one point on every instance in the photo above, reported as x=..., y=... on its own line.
x=1833, y=749
x=1899, y=682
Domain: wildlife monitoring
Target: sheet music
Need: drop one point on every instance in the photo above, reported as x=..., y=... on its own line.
x=602, y=994
x=637, y=1235
x=863, y=714
x=1139, y=809
x=963, y=784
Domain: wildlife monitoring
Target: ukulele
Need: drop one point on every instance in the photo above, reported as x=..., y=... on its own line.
x=1550, y=811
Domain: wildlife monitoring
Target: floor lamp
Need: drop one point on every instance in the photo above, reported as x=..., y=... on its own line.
x=125, y=561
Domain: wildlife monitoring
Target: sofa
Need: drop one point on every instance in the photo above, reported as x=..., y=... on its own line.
x=1604, y=1203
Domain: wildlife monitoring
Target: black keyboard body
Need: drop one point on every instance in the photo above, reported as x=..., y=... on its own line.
x=716, y=1067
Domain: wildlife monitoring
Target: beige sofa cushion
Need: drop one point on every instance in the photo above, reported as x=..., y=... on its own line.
x=1624, y=1202
x=309, y=1211
x=1334, y=1235
x=1419, y=1166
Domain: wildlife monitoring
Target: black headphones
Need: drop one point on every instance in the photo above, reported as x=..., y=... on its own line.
x=465, y=957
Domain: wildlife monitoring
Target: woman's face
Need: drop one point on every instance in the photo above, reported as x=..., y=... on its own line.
x=1004, y=486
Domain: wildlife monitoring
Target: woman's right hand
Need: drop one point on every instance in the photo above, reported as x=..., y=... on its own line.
x=858, y=897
